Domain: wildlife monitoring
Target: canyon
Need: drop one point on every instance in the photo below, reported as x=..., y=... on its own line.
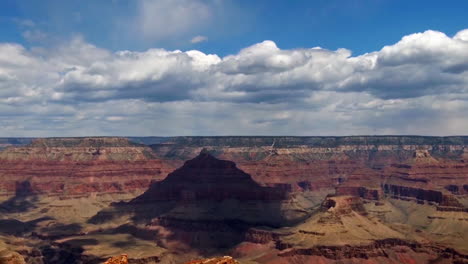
x=360, y=199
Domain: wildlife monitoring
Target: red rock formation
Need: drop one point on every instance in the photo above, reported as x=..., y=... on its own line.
x=421, y=194
x=344, y=205
x=122, y=259
x=360, y=191
x=79, y=167
x=262, y=236
x=221, y=260
x=379, y=248
x=212, y=203
x=10, y=257
x=325, y=166
x=425, y=178
x=208, y=178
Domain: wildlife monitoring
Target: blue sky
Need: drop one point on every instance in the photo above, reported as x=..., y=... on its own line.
x=227, y=67
x=359, y=25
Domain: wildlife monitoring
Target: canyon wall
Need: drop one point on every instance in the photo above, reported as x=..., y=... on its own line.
x=79, y=166
x=360, y=165
x=380, y=199
x=350, y=165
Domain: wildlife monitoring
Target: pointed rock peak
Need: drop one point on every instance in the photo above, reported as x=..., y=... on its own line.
x=205, y=154
x=208, y=178
x=204, y=151
x=206, y=160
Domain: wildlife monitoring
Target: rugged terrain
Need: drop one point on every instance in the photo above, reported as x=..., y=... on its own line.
x=386, y=199
x=79, y=166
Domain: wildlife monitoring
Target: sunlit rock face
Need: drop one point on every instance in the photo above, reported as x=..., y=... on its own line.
x=11, y=257
x=122, y=259
x=220, y=260
x=79, y=167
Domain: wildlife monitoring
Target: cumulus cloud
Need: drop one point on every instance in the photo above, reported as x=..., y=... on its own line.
x=462, y=35
x=418, y=85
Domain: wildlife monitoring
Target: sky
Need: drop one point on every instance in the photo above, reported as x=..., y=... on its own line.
x=233, y=67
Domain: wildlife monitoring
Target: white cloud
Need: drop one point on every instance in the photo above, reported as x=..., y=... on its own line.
x=177, y=22
x=462, y=35
x=416, y=86
x=198, y=39
x=160, y=19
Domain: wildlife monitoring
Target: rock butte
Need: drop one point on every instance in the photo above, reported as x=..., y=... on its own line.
x=382, y=199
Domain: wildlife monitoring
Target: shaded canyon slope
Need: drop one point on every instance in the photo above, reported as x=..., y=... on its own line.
x=362, y=199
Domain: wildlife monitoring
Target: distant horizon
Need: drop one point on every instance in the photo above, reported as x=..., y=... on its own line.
x=264, y=136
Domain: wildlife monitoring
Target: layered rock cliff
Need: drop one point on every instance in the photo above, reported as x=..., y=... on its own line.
x=79, y=166
x=327, y=159
x=259, y=199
